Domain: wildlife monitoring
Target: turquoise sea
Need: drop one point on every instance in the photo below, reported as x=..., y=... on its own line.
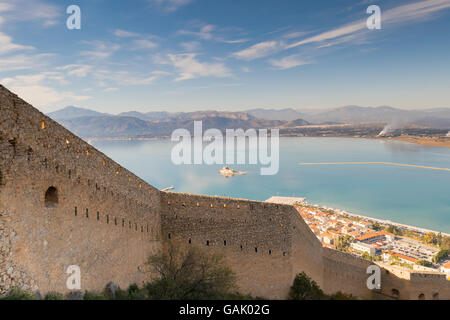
x=413, y=196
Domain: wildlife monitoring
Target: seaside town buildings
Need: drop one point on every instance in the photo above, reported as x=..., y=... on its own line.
x=358, y=237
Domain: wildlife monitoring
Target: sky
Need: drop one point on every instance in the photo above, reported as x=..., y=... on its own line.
x=187, y=55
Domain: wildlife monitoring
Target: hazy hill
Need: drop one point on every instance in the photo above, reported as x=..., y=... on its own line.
x=274, y=114
x=71, y=112
x=358, y=115
x=107, y=126
x=110, y=126
x=148, y=115
x=88, y=123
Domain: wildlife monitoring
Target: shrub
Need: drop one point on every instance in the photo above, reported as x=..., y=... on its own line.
x=441, y=255
x=19, y=294
x=190, y=275
x=425, y=263
x=54, y=296
x=92, y=295
x=304, y=288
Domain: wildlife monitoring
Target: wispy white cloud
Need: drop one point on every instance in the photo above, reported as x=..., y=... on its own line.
x=353, y=32
x=7, y=45
x=144, y=44
x=288, y=62
x=15, y=56
x=111, y=89
x=408, y=13
x=161, y=73
x=31, y=11
x=295, y=34
x=35, y=89
x=191, y=46
x=125, y=34
x=259, y=50
x=100, y=49
x=126, y=78
x=209, y=32
x=23, y=61
x=190, y=68
x=77, y=70
x=169, y=5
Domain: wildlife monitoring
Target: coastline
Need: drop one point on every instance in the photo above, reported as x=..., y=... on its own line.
x=442, y=142
x=380, y=221
x=367, y=218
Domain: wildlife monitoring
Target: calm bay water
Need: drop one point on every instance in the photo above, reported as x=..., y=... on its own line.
x=413, y=196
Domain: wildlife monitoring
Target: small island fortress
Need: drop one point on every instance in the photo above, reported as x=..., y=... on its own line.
x=63, y=203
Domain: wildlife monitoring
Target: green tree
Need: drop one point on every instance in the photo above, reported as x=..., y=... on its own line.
x=445, y=243
x=441, y=255
x=395, y=230
x=439, y=239
x=341, y=296
x=343, y=243
x=366, y=256
x=425, y=263
x=431, y=238
x=304, y=288
x=190, y=275
x=376, y=226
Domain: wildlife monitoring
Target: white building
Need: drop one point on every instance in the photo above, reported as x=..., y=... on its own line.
x=364, y=247
x=446, y=269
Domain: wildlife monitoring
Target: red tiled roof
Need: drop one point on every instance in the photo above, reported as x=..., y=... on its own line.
x=402, y=256
x=374, y=234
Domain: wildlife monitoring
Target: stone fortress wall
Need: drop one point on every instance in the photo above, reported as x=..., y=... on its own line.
x=64, y=203
x=268, y=244
x=106, y=220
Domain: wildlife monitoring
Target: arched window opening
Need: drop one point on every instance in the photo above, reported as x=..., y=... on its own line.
x=421, y=296
x=436, y=296
x=395, y=292
x=51, y=197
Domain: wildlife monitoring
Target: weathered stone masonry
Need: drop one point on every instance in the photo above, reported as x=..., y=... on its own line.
x=106, y=220
x=64, y=203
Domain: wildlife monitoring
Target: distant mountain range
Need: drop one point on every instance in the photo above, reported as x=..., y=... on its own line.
x=356, y=114
x=91, y=124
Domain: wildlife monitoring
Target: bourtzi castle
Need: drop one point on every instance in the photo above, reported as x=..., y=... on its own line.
x=64, y=203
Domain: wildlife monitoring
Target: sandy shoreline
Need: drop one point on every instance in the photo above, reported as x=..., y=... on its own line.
x=380, y=221
x=443, y=142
